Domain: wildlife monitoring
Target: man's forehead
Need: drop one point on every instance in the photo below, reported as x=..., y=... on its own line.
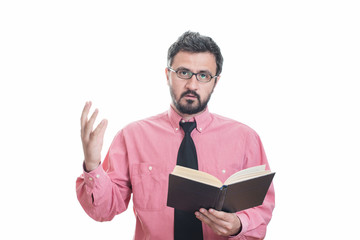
x=195, y=60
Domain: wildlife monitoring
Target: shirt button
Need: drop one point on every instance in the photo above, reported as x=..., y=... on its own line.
x=176, y=129
x=97, y=175
x=223, y=171
x=183, y=121
x=90, y=178
x=150, y=168
x=200, y=129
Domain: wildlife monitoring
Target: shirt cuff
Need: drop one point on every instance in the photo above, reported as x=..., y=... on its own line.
x=95, y=181
x=244, y=226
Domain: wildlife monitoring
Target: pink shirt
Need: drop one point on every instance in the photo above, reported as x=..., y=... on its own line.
x=143, y=154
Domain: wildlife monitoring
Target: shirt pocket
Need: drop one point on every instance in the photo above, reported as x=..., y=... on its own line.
x=149, y=186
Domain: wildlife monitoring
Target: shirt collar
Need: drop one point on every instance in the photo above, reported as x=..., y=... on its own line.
x=202, y=120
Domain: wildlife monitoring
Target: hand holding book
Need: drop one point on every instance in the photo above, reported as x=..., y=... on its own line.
x=222, y=223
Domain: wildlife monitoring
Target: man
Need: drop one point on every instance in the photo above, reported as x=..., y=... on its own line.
x=143, y=154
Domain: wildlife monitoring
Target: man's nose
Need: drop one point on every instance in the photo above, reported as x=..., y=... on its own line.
x=192, y=83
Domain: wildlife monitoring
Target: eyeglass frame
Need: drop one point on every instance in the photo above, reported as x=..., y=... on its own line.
x=192, y=74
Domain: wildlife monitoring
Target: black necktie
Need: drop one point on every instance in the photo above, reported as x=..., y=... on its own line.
x=186, y=225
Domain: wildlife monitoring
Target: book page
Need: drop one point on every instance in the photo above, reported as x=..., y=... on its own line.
x=246, y=174
x=197, y=175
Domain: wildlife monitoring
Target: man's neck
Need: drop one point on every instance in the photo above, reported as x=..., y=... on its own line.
x=187, y=117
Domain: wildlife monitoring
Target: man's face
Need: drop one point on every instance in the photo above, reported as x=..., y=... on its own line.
x=189, y=96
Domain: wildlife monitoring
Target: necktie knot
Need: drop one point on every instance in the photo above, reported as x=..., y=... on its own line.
x=188, y=127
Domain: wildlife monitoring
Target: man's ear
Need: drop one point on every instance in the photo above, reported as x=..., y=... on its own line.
x=167, y=73
x=217, y=80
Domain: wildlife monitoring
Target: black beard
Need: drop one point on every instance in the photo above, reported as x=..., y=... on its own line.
x=188, y=108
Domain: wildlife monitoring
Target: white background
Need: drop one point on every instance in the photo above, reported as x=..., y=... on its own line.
x=291, y=72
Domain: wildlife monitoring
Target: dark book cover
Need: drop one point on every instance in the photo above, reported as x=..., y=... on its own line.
x=189, y=195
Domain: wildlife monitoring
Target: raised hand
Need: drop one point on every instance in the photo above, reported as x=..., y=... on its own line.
x=92, y=140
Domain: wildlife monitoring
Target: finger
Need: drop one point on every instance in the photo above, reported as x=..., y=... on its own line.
x=89, y=125
x=222, y=219
x=209, y=214
x=215, y=227
x=228, y=221
x=100, y=129
x=220, y=215
x=202, y=217
x=84, y=115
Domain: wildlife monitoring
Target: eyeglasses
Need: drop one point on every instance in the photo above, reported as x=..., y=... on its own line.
x=183, y=73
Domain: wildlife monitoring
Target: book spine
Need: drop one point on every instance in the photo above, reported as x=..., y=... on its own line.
x=221, y=198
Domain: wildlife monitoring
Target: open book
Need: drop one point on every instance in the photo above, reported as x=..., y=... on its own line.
x=190, y=189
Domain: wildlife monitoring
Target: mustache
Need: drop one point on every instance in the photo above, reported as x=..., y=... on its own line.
x=190, y=92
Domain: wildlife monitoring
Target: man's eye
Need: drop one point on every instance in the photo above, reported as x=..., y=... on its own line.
x=184, y=73
x=204, y=75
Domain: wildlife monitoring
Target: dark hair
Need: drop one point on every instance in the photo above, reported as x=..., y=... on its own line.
x=194, y=42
